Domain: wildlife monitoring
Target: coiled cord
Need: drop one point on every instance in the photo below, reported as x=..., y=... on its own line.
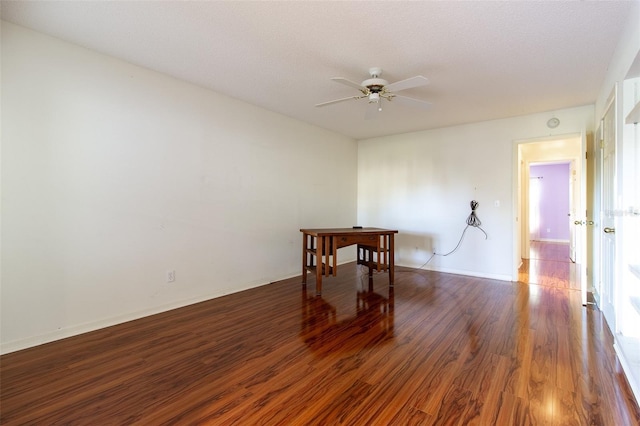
x=472, y=221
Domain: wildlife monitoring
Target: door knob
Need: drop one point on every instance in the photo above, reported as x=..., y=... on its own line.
x=577, y=222
x=590, y=222
x=609, y=230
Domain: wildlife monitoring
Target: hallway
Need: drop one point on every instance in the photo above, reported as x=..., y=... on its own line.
x=549, y=265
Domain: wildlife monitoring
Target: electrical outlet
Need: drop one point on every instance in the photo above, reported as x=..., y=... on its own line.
x=171, y=276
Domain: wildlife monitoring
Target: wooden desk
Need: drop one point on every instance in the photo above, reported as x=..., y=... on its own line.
x=320, y=247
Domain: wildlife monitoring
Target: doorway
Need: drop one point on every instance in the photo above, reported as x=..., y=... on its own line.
x=550, y=250
x=551, y=258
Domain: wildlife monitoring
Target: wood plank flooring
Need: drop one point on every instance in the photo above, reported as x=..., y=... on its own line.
x=437, y=349
x=549, y=265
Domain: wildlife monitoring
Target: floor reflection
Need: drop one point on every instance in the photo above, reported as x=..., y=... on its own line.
x=323, y=328
x=549, y=265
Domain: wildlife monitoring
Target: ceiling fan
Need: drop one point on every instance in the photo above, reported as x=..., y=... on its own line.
x=376, y=89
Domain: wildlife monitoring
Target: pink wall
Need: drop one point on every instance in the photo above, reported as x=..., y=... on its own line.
x=553, y=205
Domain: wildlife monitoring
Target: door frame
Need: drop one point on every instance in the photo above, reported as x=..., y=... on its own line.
x=577, y=151
x=595, y=234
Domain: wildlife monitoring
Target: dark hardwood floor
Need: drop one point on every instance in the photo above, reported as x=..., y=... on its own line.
x=549, y=265
x=436, y=349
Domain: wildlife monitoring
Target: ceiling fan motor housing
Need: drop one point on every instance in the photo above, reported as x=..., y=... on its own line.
x=375, y=85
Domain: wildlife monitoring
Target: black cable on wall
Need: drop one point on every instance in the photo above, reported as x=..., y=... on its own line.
x=472, y=221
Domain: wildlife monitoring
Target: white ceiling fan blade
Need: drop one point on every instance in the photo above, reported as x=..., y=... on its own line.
x=411, y=102
x=338, y=100
x=349, y=83
x=407, y=84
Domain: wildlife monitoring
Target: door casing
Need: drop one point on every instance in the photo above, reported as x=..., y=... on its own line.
x=570, y=147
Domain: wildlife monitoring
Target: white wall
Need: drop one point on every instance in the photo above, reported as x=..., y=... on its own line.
x=622, y=58
x=421, y=183
x=113, y=174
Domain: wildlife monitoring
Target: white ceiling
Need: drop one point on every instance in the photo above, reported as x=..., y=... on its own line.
x=484, y=59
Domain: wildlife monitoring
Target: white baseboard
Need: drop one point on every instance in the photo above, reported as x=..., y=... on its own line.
x=550, y=240
x=500, y=277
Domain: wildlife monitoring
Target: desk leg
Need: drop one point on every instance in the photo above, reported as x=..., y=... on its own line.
x=304, y=258
x=391, y=260
x=320, y=241
x=334, y=244
x=368, y=254
x=383, y=253
x=327, y=255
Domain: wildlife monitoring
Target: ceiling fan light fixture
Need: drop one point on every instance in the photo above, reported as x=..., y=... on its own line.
x=374, y=89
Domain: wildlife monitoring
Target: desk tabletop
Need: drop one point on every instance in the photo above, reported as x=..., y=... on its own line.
x=342, y=231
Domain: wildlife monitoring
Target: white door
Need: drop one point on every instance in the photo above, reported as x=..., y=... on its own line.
x=607, y=216
x=580, y=204
x=597, y=212
x=573, y=221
